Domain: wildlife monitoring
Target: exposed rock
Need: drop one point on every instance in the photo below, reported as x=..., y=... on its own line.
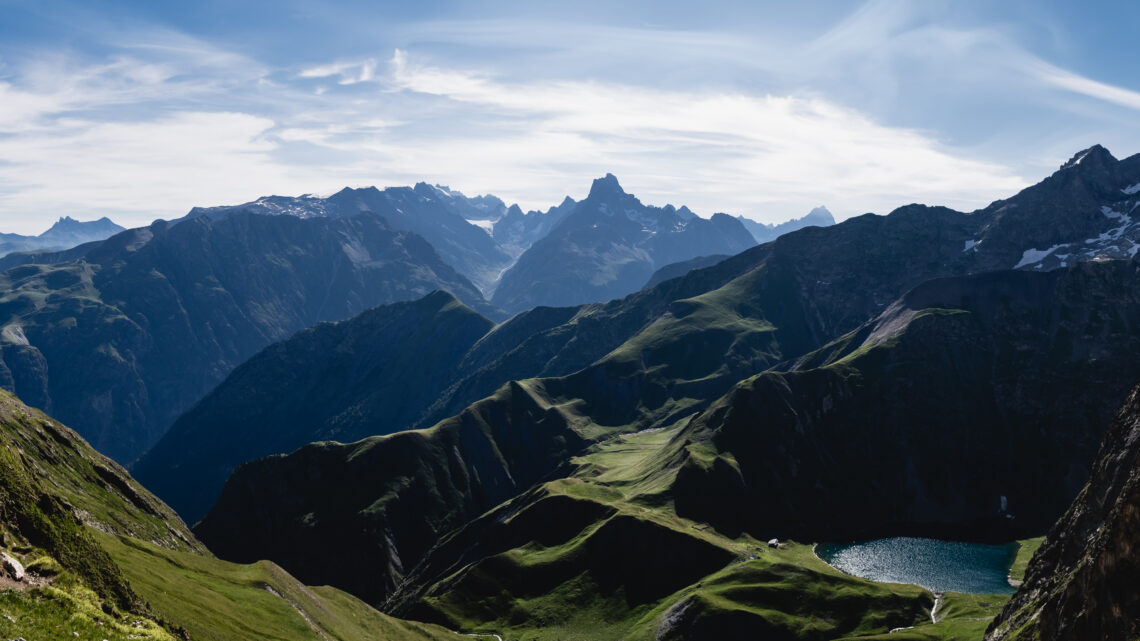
x=1082, y=582
x=13, y=567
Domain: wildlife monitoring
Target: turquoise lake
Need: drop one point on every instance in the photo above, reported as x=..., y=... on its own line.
x=940, y=566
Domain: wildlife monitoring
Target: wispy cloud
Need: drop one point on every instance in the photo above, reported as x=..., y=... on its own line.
x=729, y=151
x=863, y=114
x=347, y=73
x=1076, y=83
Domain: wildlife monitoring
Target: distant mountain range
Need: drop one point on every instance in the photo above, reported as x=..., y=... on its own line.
x=608, y=247
x=434, y=213
x=818, y=217
x=601, y=248
x=65, y=233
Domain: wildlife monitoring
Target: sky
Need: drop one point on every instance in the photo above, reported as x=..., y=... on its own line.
x=142, y=110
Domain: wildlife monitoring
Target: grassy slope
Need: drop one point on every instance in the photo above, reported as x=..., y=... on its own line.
x=214, y=599
x=544, y=589
x=116, y=563
x=1025, y=551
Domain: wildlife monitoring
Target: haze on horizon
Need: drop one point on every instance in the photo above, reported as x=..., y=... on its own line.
x=139, y=110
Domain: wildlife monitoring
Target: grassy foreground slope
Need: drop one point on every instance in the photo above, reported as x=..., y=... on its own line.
x=105, y=559
x=218, y=600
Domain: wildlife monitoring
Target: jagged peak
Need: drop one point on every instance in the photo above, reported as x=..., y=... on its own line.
x=606, y=186
x=1097, y=153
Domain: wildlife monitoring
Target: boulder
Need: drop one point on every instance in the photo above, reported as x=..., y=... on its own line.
x=12, y=567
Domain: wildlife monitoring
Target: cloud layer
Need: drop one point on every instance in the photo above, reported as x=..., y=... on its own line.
x=157, y=122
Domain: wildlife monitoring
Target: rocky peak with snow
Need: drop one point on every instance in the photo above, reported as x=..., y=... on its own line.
x=1083, y=211
x=1095, y=155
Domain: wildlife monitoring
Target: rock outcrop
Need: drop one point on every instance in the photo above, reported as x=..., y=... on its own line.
x=1082, y=583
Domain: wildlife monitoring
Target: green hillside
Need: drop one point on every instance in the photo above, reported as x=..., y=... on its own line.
x=105, y=559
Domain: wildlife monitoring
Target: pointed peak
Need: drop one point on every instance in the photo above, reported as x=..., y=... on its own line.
x=821, y=213
x=606, y=186
x=1093, y=155
x=431, y=191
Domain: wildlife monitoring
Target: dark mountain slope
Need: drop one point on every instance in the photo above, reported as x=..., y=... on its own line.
x=410, y=488
x=1081, y=583
x=188, y=468
x=120, y=342
x=608, y=247
x=675, y=270
x=341, y=381
x=968, y=400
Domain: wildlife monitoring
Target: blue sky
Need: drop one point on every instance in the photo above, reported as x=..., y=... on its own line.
x=141, y=110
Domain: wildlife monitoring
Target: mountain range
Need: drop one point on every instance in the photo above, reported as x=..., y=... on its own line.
x=650, y=462
x=767, y=307
x=65, y=233
x=119, y=341
x=813, y=285
x=762, y=232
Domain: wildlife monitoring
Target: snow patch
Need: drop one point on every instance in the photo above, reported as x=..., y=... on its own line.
x=486, y=225
x=970, y=244
x=1035, y=255
x=1077, y=161
x=1132, y=190
x=1110, y=213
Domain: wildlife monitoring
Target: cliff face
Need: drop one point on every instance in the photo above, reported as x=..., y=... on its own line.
x=1081, y=583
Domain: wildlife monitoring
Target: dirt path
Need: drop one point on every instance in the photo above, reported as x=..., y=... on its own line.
x=321, y=633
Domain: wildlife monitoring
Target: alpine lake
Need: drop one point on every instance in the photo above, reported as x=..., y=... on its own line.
x=939, y=566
